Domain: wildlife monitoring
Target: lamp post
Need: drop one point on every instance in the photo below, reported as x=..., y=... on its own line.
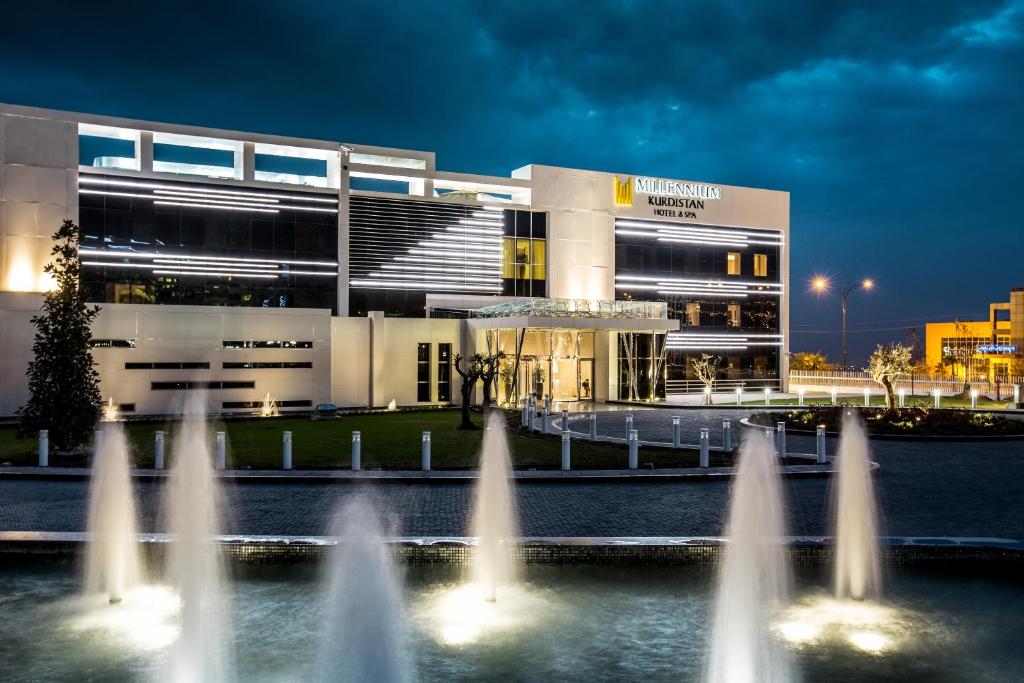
x=821, y=284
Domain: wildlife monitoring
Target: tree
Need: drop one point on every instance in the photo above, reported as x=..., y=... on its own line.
x=62, y=379
x=886, y=364
x=489, y=365
x=706, y=369
x=810, y=360
x=470, y=376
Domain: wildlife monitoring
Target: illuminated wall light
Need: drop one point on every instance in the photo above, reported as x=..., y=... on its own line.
x=219, y=197
x=308, y=272
x=209, y=267
x=476, y=231
x=662, y=225
x=489, y=256
x=431, y=276
x=681, y=281
x=469, y=270
x=176, y=262
x=403, y=284
x=104, y=180
x=20, y=277
x=692, y=293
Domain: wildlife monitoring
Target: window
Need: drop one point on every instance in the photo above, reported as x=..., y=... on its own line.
x=167, y=366
x=112, y=343
x=693, y=314
x=734, y=315
x=180, y=386
x=239, y=344
x=761, y=265
x=235, y=405
x=286, y=365
x=523, y=259
x=444, y=372
x=732, y=263
x=423, y=373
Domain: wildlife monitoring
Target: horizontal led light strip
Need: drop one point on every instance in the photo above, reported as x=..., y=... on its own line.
x=684, y=281
x=228, y=204
x=721, y=233
x=87, y=179
x=400, y=284
x=432, y=276
x=468, y=270
x=214, y=273
x=196, y=257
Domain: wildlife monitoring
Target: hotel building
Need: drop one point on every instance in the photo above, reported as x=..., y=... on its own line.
x=993, y=348
x=316, y=272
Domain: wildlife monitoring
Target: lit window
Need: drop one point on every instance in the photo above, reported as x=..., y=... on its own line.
x=732, y=263
x=523, y=259
x=761, y=265
x=693, y=314
x=734, y=315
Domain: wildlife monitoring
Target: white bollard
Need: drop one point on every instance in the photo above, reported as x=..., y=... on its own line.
x=533, y=415
x=835, y=395
x=286, y=451
x=780, y=438
x=767, y=396
x=524, y=418
x=219, y=462
x=1016, y=393
x=677, y=432
x=938, y=398
x=707, y=395
x=974, y=399
x=867, y=398
x=820, y=443
x=634, y=443
x=565, y=419
x=903, y=397
x=425, y=453
x=357, y=451
x=593, y=425
x=726, y=435
x=547, y=404
x=158, y=450
x=800, y=396
x=545, y=420
x=44, y=447
x=739, y=396
x=629, y=425
x=566, y=439
x=705, y=447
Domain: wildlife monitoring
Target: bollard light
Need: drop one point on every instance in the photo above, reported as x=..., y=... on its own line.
x=800, y=395
x=286, y=451
x=726, y=436
x=739, y=395
x=629, y=424
x=705, y=448
x=938, y=398
x=780, y=438
x=357, y=451
x=835, y=395
x=867, y=398
x=903, y=397
x=566, y=441
x=593, y=425
x=44, y=447
x=974, y=399
x=677, y=431
x=158, y=450
x=820, y=439
x=707, y=395
x=565, y=419
x=634, y=442
x=767, y=396
x=425, y=452
x=220, y=451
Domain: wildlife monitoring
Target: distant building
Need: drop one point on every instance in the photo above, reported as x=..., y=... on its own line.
x=302, y=271
x=994, y=348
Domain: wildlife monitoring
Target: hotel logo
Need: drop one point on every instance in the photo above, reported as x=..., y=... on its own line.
x=623, y=191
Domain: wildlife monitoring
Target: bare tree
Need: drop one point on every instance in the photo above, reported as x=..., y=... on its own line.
x=470, y=376
x=886, y=364
x=706, y=369
x=489, y=366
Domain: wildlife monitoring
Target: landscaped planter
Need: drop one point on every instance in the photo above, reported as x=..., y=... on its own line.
x=922, y=423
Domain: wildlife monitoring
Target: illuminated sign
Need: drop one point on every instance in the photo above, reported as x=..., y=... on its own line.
x=623, y=192
x=997, y=348
x=672, y=188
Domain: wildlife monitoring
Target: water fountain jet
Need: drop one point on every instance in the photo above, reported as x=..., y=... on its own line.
x=495, y=520
x=364, y=638
x=112, y=561
x=194, y=568
x=858, y=572
x=753, y=580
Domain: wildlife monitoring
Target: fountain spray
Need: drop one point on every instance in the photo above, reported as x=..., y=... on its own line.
x=858, y=572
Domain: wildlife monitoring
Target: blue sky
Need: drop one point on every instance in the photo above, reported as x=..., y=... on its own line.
x=896, y=126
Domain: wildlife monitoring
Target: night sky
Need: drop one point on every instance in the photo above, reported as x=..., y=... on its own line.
x=896, y=126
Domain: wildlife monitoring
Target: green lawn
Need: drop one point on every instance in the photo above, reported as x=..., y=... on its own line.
x=389, y=441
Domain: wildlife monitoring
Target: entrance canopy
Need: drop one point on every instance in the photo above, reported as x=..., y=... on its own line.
x=576, y=314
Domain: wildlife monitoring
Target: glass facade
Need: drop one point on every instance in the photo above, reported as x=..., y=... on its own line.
x=191, y=243
x=717, y=282
x=444, y=372
x=423, y=373
x=401, y=249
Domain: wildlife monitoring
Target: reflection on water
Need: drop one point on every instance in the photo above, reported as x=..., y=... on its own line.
x=562, y=623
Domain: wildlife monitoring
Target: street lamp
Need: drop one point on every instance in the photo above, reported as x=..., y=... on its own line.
x=821, y=284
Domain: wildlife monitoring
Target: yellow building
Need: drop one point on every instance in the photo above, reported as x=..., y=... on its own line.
x=985, y=350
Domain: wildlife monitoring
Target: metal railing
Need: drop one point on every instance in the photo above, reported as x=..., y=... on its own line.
x=576, y=308
x=913, y=383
